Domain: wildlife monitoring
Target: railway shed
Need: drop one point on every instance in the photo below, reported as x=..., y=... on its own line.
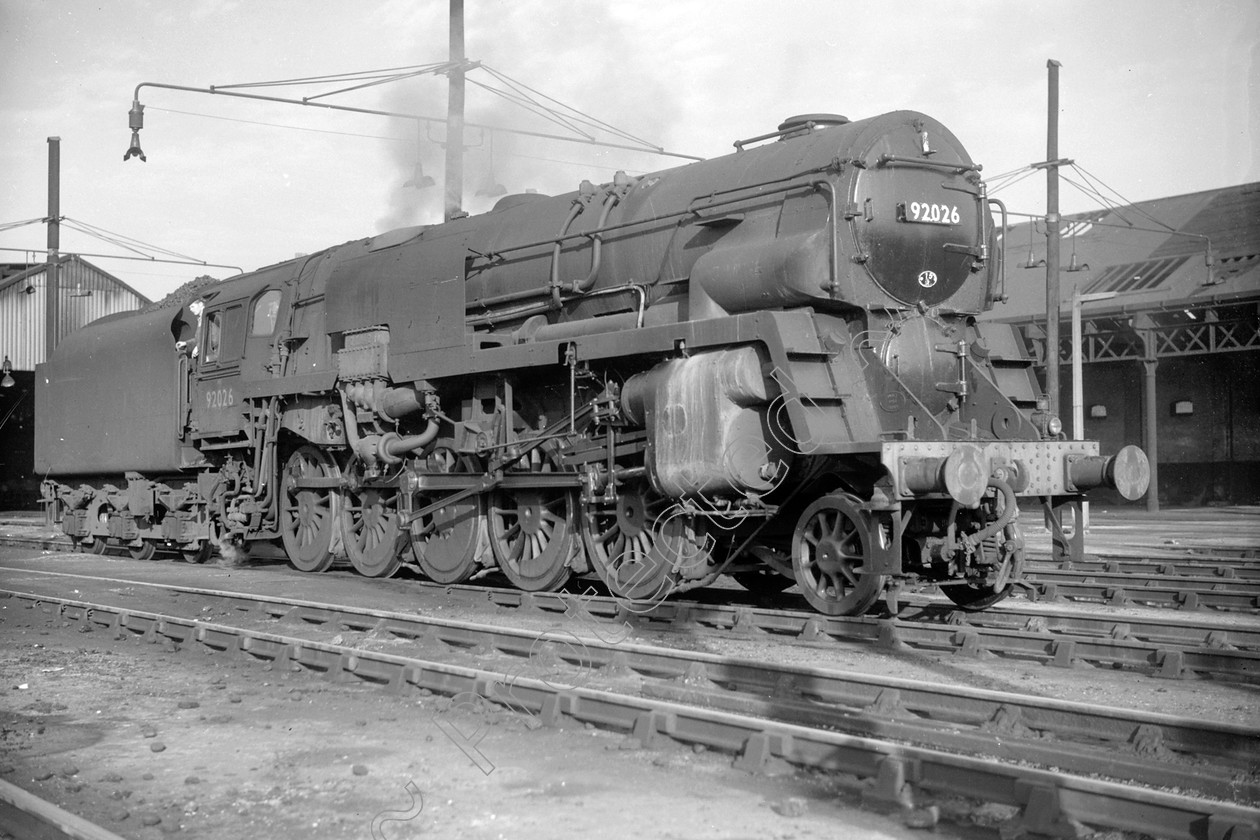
x=1168, y=292
x=85, y=292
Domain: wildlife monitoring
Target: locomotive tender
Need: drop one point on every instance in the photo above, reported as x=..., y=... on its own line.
x=766, y=364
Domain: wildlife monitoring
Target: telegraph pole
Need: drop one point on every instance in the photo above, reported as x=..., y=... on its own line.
x=454, y=181
x=52, y=291
x=1053, y=306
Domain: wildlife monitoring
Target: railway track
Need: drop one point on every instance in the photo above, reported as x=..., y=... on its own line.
x=1188, y=592
x=897, y=741
x=1167, y=647
x=1184, y=583
x=1183, y=566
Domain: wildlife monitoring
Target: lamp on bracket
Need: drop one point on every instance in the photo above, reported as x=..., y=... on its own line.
x=135, y=119
x=1072, y=264
x=7, y=381
x=1032, y=262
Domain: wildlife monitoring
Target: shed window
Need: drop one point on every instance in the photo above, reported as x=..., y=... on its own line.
x=265, y=310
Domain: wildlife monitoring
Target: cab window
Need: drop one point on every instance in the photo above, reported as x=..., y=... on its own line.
x=225, y=335
x=214, y=336
x=266, y=308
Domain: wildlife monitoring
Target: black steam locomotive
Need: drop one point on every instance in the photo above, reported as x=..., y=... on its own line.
x=766, y=365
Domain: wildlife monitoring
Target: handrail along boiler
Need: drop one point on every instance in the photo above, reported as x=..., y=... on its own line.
x=767, y=364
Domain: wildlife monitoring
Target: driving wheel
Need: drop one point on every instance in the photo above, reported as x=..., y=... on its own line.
x=371, y=528
x=448, y=541
x=532, y=533
x=308, y=516
x=644, y=545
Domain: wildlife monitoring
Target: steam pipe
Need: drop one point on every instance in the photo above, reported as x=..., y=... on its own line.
x=574, y=212
x=1009, y=509
x=597, y=243
x=389, y=447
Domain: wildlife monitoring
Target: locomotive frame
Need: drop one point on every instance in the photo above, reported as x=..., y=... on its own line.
x=766, y=365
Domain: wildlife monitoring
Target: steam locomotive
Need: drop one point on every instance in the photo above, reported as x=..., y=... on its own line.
x=766, y=365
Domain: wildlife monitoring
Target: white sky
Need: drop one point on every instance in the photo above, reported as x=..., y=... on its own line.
x=1158, y=97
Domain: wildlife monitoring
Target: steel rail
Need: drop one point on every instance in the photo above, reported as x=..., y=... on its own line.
x=1207, y=567
x=1087, y=738
x=887, y=774
x=1163, y=631
x=1187, y=583
x=1170, y=647
x=1039, y=548
x=1118, y=590
x=23, y=814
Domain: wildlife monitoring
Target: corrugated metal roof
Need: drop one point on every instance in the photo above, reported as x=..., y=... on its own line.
x=1152, y=254
x=86, y=293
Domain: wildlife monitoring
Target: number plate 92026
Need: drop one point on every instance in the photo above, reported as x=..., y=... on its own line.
x=927, y=213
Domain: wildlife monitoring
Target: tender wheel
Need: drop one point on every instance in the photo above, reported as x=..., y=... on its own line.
x=830, y=550
x=532, y=534
x=308, y=516
x=641, y=547
x=99, y=545
x=371, y=528
x=198, y=555
x=144, y=551
x=203, y=548
x=448, y=541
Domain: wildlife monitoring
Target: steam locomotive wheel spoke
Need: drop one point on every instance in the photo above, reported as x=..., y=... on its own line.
x=448, y=541
x=639, y=547
x=372, y=531
x=308, y=517
x=532, y=534
x=830, y=550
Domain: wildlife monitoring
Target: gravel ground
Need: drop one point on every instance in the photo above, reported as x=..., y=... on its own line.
x=151, y=741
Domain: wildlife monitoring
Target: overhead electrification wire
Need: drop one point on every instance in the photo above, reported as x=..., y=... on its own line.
x=12, y=225
x=1127, y=203
x=520, y=86
x=282, y=125
x=202, y=263
x=582, y=126
x=121, y=240
x=1010, y=182
x=385, y=137
x=353, y=75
